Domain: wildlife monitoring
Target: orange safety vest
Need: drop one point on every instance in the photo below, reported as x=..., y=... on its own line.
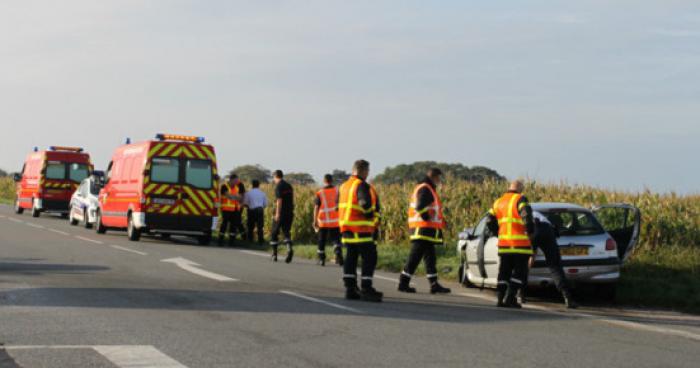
x=436, y=219
x=327, y=211
x=512, y=232
x=354, y=218
x=230, y=205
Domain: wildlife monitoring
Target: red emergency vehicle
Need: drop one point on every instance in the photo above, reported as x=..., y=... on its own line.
x=163, y=186
x=49, y=178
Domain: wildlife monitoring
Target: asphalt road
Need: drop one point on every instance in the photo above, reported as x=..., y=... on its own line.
x=72, y=298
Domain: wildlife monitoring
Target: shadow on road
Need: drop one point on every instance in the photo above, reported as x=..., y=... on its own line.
x=253, y=302
x=37, y=269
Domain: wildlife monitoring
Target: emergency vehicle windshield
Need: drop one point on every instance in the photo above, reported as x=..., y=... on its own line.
x=197, y=173
x=57, y=170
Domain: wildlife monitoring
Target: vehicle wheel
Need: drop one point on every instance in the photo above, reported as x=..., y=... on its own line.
x=607, y=292
x=100, y=228
x=35, y=211
x=64, y=215
x=132, y=232
x=165, y=236
x=204, y=239
x=18, y=210
x=86, y=220
x=71, y=219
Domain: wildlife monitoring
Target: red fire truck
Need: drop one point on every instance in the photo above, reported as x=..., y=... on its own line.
x=49, y=178
x=163, y=186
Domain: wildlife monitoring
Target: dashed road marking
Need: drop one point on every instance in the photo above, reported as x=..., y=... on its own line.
x=88, y=239
x=36, y=226
x=15, y=220
x=128, y=250
x=320, y=301
x=3, y=216
x=254, y=253
x=58, y=232
x=123, y=356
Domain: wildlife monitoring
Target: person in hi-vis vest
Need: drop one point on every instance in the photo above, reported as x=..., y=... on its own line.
x=326, y=221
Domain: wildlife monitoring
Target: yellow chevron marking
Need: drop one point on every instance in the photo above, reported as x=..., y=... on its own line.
x=165, y=209
x=208, y=152
x=162, y=189
x=150, y=188
x=194, y=197
x=197, y=152
x=171, y=192
x=155, y=149
x=186, y=151
x=191, y=207
x=168, y=149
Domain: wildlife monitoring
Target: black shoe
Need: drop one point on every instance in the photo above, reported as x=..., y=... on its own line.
x=371, y=295
x=522, y=296
x=290, y=255
x=405, y=288
x=570, y=303
x=321, y=262
x=274, y=257
x=439, y=289
x=339, y=256
x=352, y=293
x=512, y=302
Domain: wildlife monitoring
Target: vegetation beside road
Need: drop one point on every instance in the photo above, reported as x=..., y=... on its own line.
x=7, y=190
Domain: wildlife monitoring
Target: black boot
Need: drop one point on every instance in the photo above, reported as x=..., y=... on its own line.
x=501, y=296
x=569, y=301
x=512, y=298
x=369, y=294
x=522, y=296
x=436, y=288
x=290, y=254
x=405, y=285
x=339, y=255
x=322, y=259
x=274, y=252
x=352, y=293
x=221, y=240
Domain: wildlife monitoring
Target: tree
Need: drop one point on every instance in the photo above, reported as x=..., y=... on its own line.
x=3, y=173
x=340, y=176
x=416, y=171
x=248, y=173
x=300, y=178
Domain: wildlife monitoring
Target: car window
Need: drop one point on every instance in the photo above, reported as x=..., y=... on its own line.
x=575, y=223
x=78, y=172
x=55, y=170
x=83, y=189
x=479, y=230
x=198, y=173
x=165, y=170
x=95, y=187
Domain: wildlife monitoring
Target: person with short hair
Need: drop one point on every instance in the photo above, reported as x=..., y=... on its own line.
x=231, y=194
x=256, y=201
x=284, y=215
x=326, y=221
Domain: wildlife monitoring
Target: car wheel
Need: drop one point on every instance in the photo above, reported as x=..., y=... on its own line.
x=71, y=219
x=165, y=236
x=86, y=220
x=64, y=215
x=132, y=232
x=35, y=211
x=18, y=209
x=464, y=275
x=204, y=239
x=100, y=228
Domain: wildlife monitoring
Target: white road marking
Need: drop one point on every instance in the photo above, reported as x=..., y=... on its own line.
x=59, y=232
x=191, y=267
x=88, y=239
x=254, y=253
x=315, y=300
x=137, y=357
x=128, y=250
x=15, y=220
x=36, y=226
x=126, y=356
x=3, y=216
x=396, y=281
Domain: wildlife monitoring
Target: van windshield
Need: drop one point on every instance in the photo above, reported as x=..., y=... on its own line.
x=165, y=170
x=198, y=173
x=55, y=170
x=575, y=223
x=78, y=172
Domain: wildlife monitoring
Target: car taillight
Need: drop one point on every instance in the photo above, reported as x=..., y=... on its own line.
x=610, y=245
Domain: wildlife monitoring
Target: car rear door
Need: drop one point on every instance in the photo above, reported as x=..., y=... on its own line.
x=623, y=223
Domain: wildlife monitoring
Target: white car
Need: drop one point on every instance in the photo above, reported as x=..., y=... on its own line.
x=593, y=243
x=84, y=202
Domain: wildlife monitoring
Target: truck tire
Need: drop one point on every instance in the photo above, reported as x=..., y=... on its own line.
x=204, y=239
x=35, y=211
x=86, y=220
x=100, y=228
x=18, y=210
x=132, y=232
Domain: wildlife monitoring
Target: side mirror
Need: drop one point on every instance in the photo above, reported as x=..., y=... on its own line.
x=17, y=177
x=146, y=172
x=217, y=177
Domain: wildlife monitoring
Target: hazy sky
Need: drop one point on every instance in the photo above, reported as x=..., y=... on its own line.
x=597, y=92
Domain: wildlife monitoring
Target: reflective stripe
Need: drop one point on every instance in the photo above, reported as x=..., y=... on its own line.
x=432, y=275
x=348, y=276
x=406, y=274
x=415, y=218
x=436, y=239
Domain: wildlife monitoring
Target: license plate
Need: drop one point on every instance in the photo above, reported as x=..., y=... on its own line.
x=574, y=251
x=165, y=201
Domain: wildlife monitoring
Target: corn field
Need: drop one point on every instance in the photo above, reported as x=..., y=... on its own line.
x=667, y=219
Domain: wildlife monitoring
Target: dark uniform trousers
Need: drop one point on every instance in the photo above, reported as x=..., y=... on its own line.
x=328, y=235
x=545, y=238
x=256, y=220
x=285, y=226
x=368, y=252
x=512, y=272
x=422, y=250
x=231, y=223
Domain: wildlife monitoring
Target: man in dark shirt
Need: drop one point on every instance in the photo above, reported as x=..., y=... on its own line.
x=284, y=215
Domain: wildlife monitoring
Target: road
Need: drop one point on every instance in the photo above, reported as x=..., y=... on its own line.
x=72, y=298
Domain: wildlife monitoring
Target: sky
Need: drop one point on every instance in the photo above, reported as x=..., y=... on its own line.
x=592, y=92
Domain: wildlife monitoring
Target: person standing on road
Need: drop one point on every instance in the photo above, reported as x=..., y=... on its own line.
x=284, y=215
x=256, y=201
x=358, y=216
x=511, y=219
x=231, y=220
x=326, y=221
x=426, y=222
x=545, y=238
